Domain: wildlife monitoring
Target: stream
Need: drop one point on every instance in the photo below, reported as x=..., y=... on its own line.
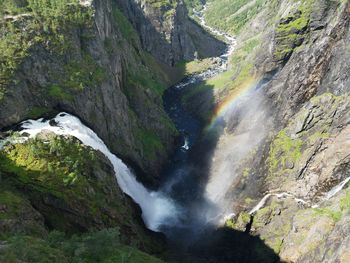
x=178, y=208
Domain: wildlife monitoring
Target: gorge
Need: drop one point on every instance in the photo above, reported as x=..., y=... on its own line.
x=174, y=131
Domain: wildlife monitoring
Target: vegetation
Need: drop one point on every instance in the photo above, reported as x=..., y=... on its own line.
x=83, y=73
x=152, y=145
x=73, y=190
x=334, y=215
x=193, y=4
x=231, y=16
x=97, y=246
x=63, y=169
x=239, y=76
x=291, y=31
x=26, y=23
x=196, y=66
x=284, y=149
x=53, y=164
x=125, y=26
x=37, y=112
x=165, y=5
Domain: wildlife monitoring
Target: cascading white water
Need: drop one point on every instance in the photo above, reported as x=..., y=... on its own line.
x=156, y=208
x=328, y=195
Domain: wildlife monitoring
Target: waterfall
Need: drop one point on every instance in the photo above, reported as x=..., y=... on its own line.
x=156, y=208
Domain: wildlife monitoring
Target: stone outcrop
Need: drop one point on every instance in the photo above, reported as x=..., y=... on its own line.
x=108, y=80
x=304, y=157
x=167, y=32
x=44, y=192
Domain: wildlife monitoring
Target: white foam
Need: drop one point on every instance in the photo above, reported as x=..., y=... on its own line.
x=156, y=208
x=336, y=189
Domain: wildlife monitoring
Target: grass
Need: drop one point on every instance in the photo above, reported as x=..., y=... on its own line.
x=56, y=167
x=345, y=201
x=125, y=26
x=196, y=66
x=223, y=14
x=239, y=75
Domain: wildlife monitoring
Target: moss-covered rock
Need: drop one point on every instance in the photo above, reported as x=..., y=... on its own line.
x=96, y=246
x=56, y=183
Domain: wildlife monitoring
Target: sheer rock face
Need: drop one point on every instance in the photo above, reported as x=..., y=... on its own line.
x=305, y=152
x=168, y=33
x=120, y=108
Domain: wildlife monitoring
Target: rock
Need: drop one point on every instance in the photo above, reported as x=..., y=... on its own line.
x=105, y=104
x=168, y=33
x=90, y=201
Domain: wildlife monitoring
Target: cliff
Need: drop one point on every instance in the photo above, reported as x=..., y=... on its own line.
x=287, y=135
x=45, y=201
x=87, y=59
x=167, y=32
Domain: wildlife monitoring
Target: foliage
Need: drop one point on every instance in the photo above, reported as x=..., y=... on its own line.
x=239, y=76
x=97, y=246
x=26, y=23
x=196, y=66
x=37, y=112
x=152, y=145
x=83, y=73
x=125, y=26
x=232, y=15
x=64, y=165
x=345, y=201
x=56, y=91
x=193, y=4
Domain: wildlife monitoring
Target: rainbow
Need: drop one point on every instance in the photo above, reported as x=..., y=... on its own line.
x=230, y=101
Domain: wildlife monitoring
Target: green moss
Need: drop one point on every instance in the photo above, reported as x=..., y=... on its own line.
x=193, y=4
x=167, y=6
x=63, y=166
x=318, y=135
x=57, y=92
x=284, y=149
x=345, y=201
x=279, y=234
x=142, y=77
x=334, y=215
x=30, y=249
x=290, y=35
x=11, y=201
x=83, y=73
x=2, y=93
x=59, y=168
x=37, y=112
x=152, y=145
x=125, y=26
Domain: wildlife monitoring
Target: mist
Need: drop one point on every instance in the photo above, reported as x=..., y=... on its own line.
x=246, y=125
